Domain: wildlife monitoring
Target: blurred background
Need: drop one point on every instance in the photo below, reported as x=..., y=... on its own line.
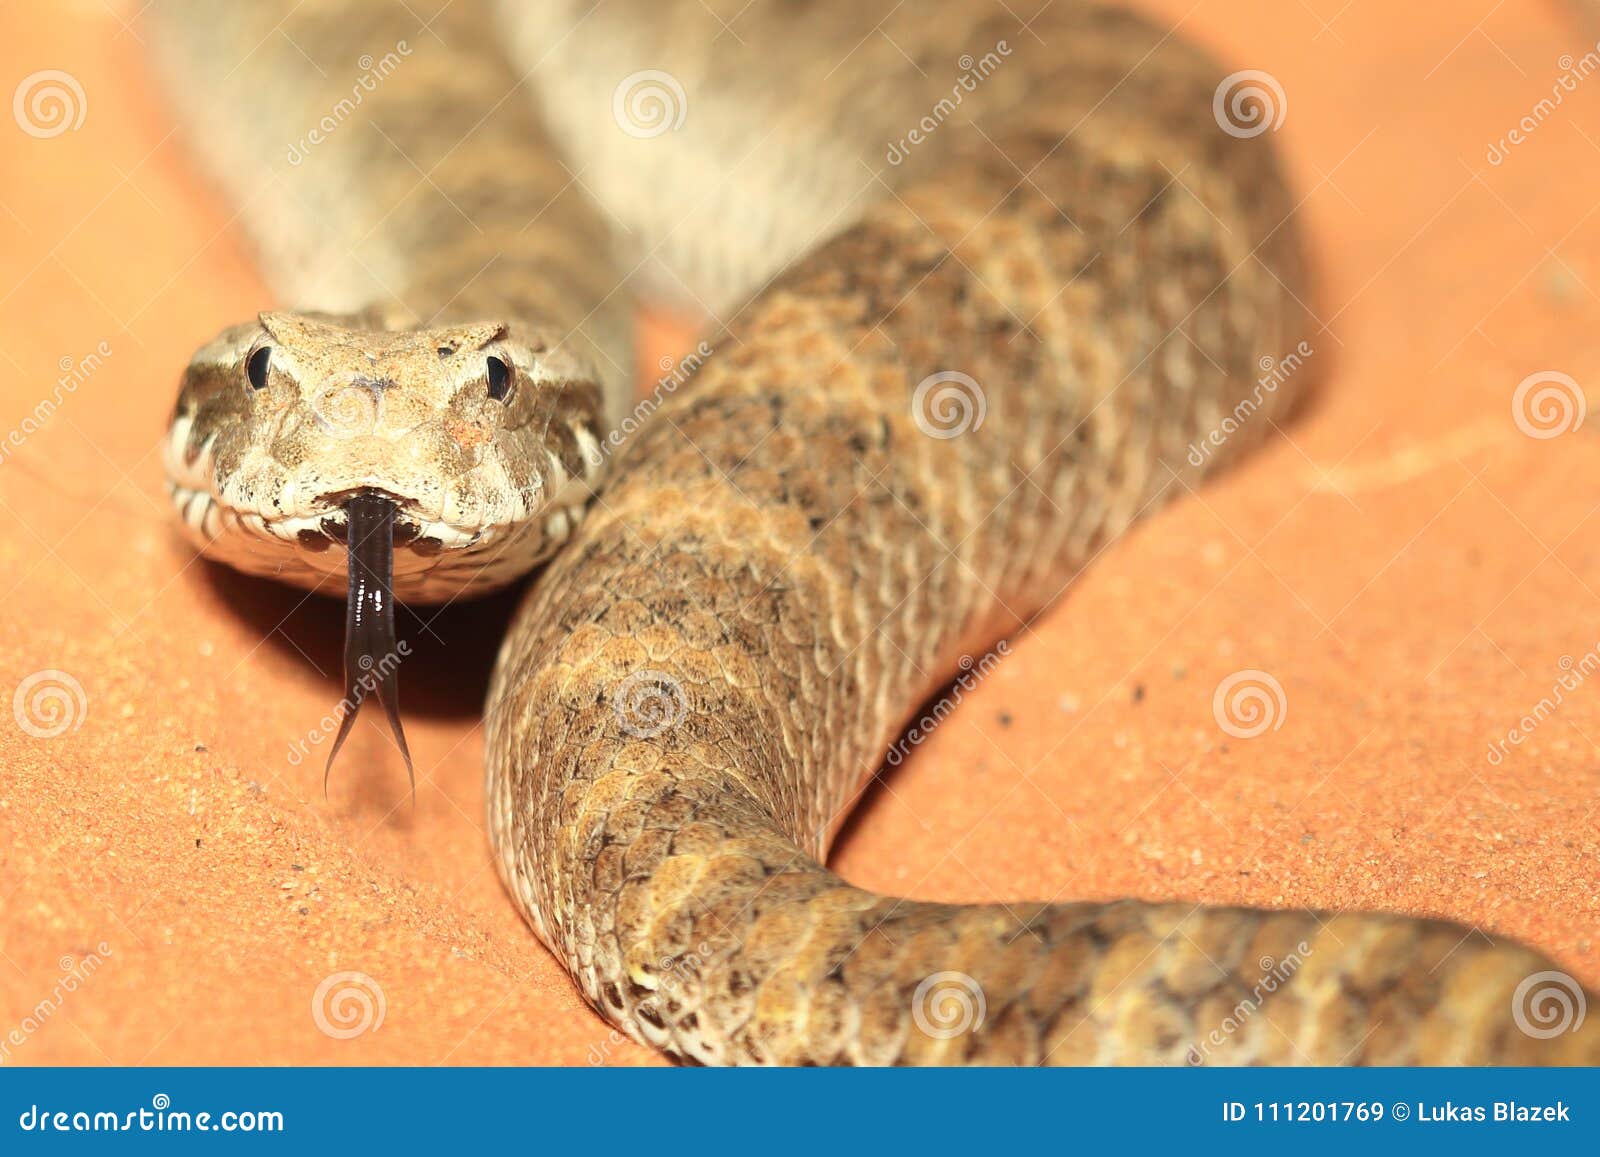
x=1410, y=573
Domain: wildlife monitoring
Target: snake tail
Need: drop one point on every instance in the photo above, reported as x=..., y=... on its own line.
x=696, y=692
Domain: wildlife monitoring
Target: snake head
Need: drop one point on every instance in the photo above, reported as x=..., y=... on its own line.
x=439, y=460
x=483, y=435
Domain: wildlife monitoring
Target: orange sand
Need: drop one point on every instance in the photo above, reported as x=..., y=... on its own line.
x=1408, y=565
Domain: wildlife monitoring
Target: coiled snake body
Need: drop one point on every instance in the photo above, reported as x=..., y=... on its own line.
x=1007, y=265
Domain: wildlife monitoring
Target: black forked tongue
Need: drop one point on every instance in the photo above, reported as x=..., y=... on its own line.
x=371, y=657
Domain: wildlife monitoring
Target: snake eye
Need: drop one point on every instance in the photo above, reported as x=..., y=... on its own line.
x=500, y=378
x=255, y=370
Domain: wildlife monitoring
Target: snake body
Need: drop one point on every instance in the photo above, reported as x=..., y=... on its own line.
x=943, y=382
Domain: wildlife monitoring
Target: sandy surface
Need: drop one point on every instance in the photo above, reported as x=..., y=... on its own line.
x=1409, y=566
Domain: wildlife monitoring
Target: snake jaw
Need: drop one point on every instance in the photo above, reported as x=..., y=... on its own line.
x=371, y=654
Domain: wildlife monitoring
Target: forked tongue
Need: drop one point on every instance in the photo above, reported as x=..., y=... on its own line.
x=371, y=658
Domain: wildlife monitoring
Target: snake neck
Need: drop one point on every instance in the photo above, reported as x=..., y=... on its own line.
x=390, y=161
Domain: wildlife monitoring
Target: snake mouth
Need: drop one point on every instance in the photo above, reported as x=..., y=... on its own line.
x=371, y=654
x=334, y=513
x=411, y=527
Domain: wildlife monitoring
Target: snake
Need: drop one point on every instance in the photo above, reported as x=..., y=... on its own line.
x=985, y=284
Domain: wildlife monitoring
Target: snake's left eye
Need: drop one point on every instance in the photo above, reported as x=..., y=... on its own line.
x=500, y=379
x=255, y=370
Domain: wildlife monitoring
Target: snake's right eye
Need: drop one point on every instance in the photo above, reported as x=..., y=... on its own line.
x=500, y=379
x=255, y=369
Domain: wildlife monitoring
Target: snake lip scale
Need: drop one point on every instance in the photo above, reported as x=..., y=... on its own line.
x=936, y=393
